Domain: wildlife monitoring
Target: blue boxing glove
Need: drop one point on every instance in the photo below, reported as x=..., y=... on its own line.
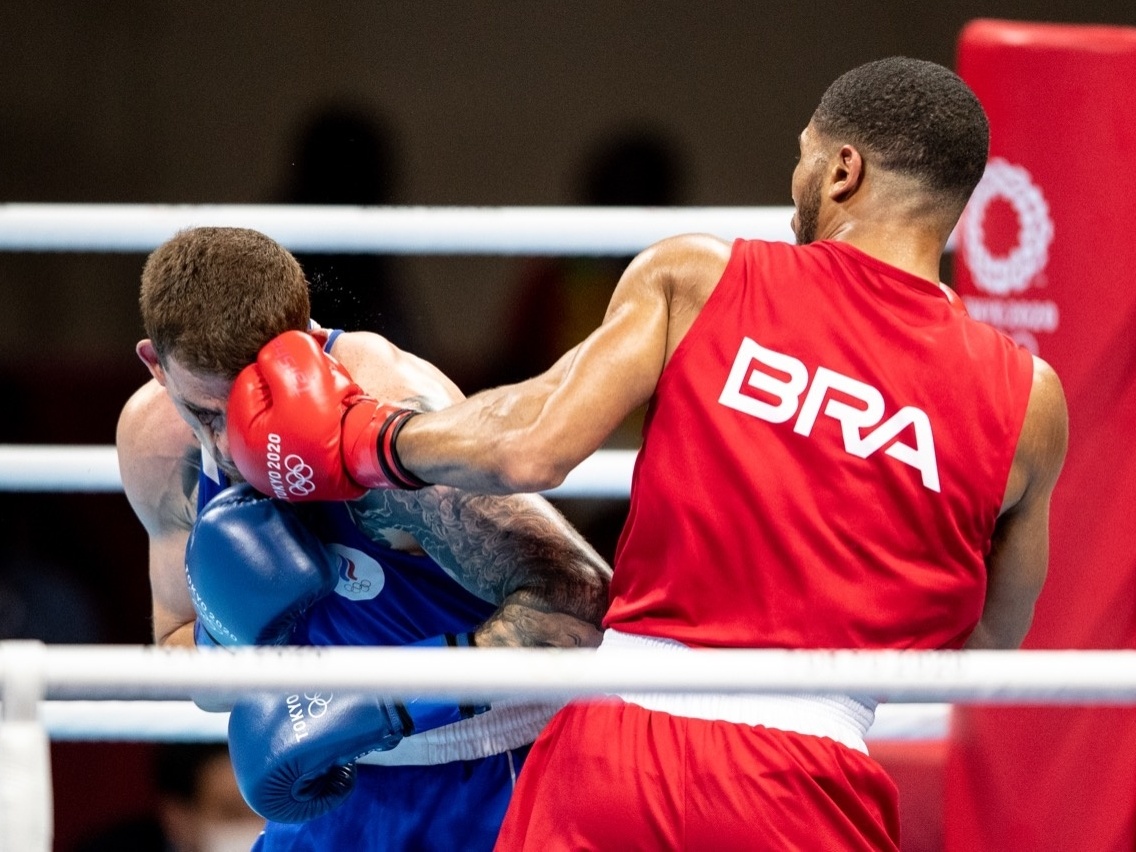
x=253, y=568
x=294, y=756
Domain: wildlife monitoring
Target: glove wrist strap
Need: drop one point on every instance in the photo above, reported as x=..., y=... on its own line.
x=368, y=446
x=388, y=451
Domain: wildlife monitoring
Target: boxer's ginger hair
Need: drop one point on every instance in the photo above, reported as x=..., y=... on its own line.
x=212, y=297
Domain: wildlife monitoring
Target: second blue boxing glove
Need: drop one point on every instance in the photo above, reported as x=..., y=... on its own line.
x=253, y=568
x=294, y=755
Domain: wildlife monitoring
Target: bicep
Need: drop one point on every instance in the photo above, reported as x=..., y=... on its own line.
x=159, y=463
x=528, y=436
x=592, y=389
x=168, y=518
x=1019, y=553
x=1015, y=573
x=617, y=368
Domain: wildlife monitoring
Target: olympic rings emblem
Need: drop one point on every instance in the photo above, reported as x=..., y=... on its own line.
x=299, y=476
x=355, y=587
x=317, y=704
x=1002, y=276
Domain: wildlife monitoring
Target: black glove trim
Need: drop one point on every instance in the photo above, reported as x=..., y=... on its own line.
x=389, y=461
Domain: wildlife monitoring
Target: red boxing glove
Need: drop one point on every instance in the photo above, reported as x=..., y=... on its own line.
x=300, y=428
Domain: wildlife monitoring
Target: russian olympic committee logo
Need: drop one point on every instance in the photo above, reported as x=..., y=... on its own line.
x=361, y=577
x=1002, y=275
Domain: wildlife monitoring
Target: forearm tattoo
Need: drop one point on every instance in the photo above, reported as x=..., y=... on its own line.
x=515, y=551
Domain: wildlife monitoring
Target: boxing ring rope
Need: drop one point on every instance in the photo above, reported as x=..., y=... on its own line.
x=47, y=468
x=31, y=671
x=387, y=230
x=142, y=720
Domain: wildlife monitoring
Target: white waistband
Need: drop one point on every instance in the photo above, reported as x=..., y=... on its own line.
x=843, y=718
x=506, y=725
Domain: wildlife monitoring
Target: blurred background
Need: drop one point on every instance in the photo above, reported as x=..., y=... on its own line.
x=502, y=103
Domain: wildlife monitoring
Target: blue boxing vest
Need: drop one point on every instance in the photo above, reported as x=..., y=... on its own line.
x=384, y=596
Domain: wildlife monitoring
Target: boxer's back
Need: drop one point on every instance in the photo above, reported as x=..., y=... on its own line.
x=855, y=435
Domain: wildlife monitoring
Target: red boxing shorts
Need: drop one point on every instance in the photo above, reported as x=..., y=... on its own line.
x=612, y=775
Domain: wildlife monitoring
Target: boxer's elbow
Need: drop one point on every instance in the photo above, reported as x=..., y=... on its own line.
x=179, y=636
x=519, y=474
x=527, y=463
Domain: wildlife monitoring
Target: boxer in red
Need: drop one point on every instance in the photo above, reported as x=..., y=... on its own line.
x=835, y=456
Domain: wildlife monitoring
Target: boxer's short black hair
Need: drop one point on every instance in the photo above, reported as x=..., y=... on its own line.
x=913, y=116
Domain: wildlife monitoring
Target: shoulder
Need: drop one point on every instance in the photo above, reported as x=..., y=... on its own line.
x=155, y=447
x=149, y=424
x=389, y=373
x=687, y=255
x=677, y=274
x=1047, y=414
x=1044, y=438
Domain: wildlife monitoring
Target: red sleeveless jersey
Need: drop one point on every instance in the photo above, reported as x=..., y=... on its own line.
x=823, y=461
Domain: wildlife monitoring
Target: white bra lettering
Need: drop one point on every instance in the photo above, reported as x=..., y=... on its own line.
x=856, y=423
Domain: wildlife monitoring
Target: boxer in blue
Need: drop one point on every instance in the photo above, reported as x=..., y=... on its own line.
x=436, y=566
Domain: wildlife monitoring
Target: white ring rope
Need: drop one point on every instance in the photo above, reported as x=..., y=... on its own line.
x=390, y=230
x=95, y=469
x=58, y=468
x=990, y=677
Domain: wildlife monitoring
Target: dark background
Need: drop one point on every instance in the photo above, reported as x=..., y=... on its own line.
x=504, y=103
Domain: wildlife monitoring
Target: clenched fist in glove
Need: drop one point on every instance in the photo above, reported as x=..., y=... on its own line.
x=300, y=428
x=294, y=755
x=253, y=568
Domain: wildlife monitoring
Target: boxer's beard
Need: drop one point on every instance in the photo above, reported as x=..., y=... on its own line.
x=808, y=211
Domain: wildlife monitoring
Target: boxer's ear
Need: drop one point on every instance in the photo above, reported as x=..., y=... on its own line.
x=149, y=356
x=847, y=173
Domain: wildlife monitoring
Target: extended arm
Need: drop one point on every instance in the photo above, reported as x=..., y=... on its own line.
x=523, y=437
x=1019, y=554
x=528, y=436
x=517, y=552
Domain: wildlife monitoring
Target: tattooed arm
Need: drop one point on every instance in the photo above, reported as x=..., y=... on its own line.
x=516, y=551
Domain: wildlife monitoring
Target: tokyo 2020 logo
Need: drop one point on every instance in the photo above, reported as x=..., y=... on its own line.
x=1000, y=274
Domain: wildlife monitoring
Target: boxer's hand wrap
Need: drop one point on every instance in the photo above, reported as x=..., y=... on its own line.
x=294, y=755
x=300, y=428
x=253, y=567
